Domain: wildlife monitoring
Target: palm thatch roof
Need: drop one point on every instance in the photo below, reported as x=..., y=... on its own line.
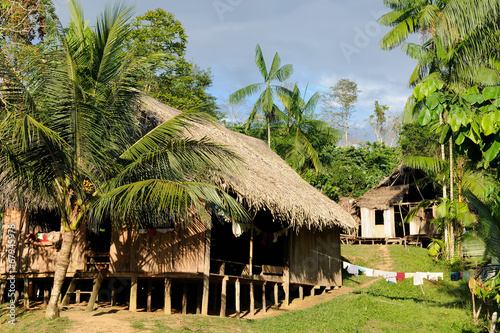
x=389, y=191
x=266, y=181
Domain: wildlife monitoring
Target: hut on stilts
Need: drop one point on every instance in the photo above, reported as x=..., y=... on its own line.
x=290, y=248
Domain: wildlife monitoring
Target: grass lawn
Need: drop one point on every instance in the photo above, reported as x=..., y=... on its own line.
x=379, y=307
x=30, y=321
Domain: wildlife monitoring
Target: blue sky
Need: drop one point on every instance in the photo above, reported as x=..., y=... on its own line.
x=324, y=40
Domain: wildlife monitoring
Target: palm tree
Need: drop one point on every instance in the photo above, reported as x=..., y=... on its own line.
x=298, y=148
x=68, y=140
x=265, y=103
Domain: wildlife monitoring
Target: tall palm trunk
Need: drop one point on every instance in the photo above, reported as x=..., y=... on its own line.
x=445, y=195
x=62, y=264
x=269, y=134
x=452, y=232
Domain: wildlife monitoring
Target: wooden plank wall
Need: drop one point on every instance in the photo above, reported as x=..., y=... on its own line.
x=182, y=250
x=32, y=258
x=311, y=257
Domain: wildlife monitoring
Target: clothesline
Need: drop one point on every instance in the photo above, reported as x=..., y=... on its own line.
x=392, y=277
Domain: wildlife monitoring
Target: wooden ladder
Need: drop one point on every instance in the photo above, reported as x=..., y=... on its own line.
x=97, y=276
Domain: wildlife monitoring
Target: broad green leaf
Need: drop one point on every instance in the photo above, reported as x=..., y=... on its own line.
x=425, y=117
x=433, y=100
x=460, y=139
x=427, y=87
x=488, y=123
x=492, y=150
x=491, y=92
x=474, y=98
x=471, y=91
x=474, y=132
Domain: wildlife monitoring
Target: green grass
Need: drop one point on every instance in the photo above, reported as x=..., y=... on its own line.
x=30, y=321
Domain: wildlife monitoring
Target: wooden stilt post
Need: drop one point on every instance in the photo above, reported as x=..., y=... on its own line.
x=26, y=294
x=95, y=291
x=252, y=300
x=184, y=299
x=77, y=296
x=223, y=297
x=113, y=293
x=167, y=307
x=46, y=292
x=264, y=307
x=206, y=274
x=2, y=290
x=150, y=293
x=199, y=297
x=237, y=297
x=133, y=295
x=301, y=293
x=276, y=298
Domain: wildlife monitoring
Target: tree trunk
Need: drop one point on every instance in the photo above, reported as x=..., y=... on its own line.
x=269, y=134
x=62, y=264
x=346, y=130
x=452, y=231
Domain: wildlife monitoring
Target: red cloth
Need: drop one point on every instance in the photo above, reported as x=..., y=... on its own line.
x=152, y=231
x=400, y=276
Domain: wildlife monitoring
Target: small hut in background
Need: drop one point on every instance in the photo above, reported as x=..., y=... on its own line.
x=383, y=208
x=291, y=244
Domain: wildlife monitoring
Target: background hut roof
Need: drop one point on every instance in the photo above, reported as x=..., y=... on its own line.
x=266, y=181
x=383, y=197
x=389, y=191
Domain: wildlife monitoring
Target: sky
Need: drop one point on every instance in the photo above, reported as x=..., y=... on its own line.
x=325, y=40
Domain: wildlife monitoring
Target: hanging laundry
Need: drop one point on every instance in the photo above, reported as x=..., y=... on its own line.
x=400, y=276
x=353, y=269
x=409, y=275
x=42, y=237
x=362, y=269
x=345, y=265
x=369, y=272
x=152, y=231
x=237, y=230
x=418, y=279
x=455, y=276
x=391, y=280
x=434, y=276
x=390, y=277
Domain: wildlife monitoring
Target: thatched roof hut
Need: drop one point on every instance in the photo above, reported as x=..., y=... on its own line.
x=266, y=181
x=391, y=190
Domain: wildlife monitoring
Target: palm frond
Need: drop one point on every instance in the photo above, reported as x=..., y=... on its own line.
x=260, y=62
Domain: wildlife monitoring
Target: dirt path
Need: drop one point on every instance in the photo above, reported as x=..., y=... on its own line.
x=386, y=257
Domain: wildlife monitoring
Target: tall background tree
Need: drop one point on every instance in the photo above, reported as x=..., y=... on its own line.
x=269, y=92
x=385, y=126
x=338, y=105
x=171, y=78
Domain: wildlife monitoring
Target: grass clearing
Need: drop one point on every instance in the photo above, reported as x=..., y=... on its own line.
x=30, y=321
